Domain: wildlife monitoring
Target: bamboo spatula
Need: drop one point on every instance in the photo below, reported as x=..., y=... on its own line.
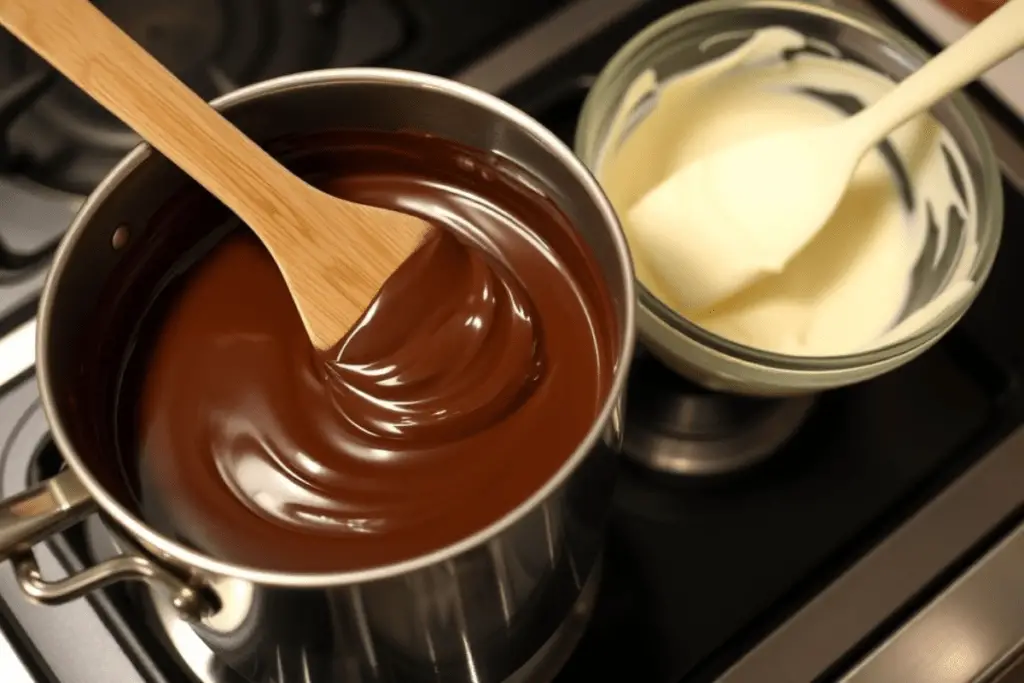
x=334, y=254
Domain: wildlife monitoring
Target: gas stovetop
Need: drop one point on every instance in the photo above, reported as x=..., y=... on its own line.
x=800, y=540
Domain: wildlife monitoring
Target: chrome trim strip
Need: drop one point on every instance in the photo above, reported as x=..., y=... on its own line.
x=1009, y=149
x=12, y=669
x=968, y=633
x=846, y=612
x=538, y=46
x=17, y=352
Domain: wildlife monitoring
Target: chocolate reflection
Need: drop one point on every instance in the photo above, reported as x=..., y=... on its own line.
x=475, y=374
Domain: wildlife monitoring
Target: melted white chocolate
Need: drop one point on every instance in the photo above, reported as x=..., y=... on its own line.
x=850, y=289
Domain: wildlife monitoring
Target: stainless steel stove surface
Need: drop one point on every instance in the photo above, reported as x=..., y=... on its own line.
x=879, y=541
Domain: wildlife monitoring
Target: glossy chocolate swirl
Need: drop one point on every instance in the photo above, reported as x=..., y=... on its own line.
x=420, y=363
x=475, y=374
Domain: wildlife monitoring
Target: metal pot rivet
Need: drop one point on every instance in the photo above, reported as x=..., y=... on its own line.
x=120, y=237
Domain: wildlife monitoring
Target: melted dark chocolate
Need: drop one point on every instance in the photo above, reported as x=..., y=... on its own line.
x=469, y=382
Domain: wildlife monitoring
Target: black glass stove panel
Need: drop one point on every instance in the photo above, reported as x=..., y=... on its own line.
x=702, y=569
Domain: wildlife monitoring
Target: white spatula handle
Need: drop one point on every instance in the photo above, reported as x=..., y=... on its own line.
x=990, y=42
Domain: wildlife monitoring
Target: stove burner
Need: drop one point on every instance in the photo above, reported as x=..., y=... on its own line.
x=68, y=142
x=676, y=427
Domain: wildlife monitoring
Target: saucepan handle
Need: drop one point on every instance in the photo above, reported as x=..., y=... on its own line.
x=61, y=502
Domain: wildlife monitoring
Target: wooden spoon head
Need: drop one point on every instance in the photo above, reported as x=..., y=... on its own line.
x=336, y=263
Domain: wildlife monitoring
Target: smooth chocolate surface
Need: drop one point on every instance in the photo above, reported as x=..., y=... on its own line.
x=465, y=387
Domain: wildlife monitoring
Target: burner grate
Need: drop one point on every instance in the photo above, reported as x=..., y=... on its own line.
x=58, y=137
x=15, y=100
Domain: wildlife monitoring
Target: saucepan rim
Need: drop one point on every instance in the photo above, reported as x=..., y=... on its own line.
x=196, y=560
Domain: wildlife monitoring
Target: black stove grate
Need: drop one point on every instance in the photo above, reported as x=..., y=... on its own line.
x=57, y=136
x=15, y=100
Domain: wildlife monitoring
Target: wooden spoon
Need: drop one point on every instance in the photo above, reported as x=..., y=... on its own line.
x=334, y=254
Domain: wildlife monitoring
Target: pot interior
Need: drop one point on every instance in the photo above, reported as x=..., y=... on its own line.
x=122, y=260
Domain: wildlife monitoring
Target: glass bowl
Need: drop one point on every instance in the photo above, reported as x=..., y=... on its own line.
x=705, y=31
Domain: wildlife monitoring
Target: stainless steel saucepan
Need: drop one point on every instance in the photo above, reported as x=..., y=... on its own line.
x=494, y=607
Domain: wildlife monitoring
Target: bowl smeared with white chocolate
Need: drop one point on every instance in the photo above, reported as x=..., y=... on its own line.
x=900, y=260
x=904, y=218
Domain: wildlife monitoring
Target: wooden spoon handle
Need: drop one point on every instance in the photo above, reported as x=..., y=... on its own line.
x=106, y=63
